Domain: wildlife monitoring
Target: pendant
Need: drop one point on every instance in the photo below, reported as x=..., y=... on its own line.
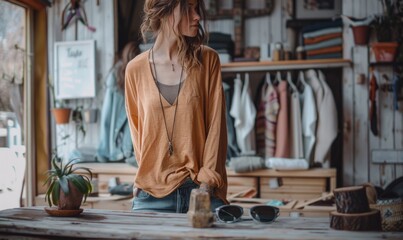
x=170, y=148
x=173, y=67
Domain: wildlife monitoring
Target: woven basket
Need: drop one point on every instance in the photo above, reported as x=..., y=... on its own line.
x=391, y=213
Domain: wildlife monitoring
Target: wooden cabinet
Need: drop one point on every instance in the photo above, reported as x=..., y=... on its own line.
x=289, y=185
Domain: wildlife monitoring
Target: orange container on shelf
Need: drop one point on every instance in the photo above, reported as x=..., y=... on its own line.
x=384, y=51
x=361, y=34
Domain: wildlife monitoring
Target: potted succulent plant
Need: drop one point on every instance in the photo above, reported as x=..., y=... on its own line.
x=60, y=111
x=67, y=188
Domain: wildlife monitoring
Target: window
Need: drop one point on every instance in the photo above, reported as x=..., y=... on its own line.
x=13, y=73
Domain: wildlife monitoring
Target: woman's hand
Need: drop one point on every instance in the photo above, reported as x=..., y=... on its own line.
x=205, y=187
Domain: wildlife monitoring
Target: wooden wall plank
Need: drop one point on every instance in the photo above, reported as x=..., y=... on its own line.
x=348, y=107
x=360, y=59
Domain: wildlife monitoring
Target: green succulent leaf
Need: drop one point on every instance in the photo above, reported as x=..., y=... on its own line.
x=80, y=183
x=64, y=184
x=56, y=193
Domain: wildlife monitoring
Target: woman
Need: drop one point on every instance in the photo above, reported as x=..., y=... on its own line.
x=176, y=111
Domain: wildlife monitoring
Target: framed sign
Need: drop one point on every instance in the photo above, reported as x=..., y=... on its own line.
x=309, y=9
x=74, y=69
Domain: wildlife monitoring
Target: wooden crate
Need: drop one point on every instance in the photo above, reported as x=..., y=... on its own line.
x=292, y=188
x=292, y=185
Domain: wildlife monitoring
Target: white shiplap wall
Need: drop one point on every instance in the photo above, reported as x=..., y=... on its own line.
x=100, y=14
x=359, y=142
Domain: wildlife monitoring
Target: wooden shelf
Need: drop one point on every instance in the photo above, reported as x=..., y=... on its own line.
x=382, y=64
x=284, y=65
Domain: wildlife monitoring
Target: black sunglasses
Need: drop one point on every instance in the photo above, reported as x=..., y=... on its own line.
x=259, y=213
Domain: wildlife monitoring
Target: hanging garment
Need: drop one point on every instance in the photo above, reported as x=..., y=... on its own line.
x=267, y=120
x=115, y=139
x=271, y=112
x=373, y=87
x=244, y=112
x=309, y=118
x=260, y=125
x=297, y=147
x=282, y=141
x=313, y=81
x=326, y=131
x=232, y=149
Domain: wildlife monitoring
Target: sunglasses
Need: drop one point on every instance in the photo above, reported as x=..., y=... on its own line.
x=259, y=213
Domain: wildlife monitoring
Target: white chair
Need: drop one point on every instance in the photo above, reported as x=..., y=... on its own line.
x=12, y=173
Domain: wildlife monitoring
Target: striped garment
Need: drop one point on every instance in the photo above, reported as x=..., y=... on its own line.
x=266, y=121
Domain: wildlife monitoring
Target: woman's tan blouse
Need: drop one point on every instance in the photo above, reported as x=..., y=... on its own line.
x=200, y=134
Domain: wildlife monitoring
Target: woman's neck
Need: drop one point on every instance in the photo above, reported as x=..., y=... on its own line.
x=165, y=48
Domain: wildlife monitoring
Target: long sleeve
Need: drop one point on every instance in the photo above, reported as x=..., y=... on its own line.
x=214, y=155
x=132, y=112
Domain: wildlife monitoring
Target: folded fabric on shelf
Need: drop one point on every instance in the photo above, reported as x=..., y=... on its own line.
x=336, y=49
x=326, y=56
x=246, y=163
x=324, y=44
x=322, y=38
x=287, y=163
x=322, y=25
x=323, y=32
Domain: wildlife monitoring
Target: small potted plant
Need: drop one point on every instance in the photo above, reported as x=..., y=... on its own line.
x=60, y=111
x=67, y=188
x=388, y=29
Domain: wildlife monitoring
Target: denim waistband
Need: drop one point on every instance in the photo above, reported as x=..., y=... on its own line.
x=188, y=183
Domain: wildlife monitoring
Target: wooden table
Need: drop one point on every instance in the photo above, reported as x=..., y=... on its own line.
x=35, y=223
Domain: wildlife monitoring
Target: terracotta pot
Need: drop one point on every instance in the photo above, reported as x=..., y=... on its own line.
x=62, y=115
x=361, y=34
x=72, y=201
x=384, y=51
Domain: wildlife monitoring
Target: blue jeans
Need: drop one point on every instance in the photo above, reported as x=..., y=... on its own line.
x=176, y=202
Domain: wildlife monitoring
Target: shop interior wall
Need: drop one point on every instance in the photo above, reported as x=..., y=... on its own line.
x=360, y=145
x=355, y=136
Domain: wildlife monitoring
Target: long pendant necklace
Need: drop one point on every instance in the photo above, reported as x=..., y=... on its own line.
x=170, y=137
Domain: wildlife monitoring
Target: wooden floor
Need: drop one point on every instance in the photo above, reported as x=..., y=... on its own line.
x=35, y=223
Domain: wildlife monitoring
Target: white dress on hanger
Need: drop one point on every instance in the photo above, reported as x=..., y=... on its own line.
x=327, y=126
x=297, y=147
x=309, y=118
x=244, y=112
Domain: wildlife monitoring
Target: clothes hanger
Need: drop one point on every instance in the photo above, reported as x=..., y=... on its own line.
x=268, y=79
x=289, y=80
x=301, y=80
x=278, y=76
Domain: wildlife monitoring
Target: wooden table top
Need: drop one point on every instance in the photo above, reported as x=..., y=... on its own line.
x=35, y=223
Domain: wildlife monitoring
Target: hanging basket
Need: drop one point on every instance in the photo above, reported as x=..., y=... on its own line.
x=62, y=115
x=361, y=34
x=384, y=51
